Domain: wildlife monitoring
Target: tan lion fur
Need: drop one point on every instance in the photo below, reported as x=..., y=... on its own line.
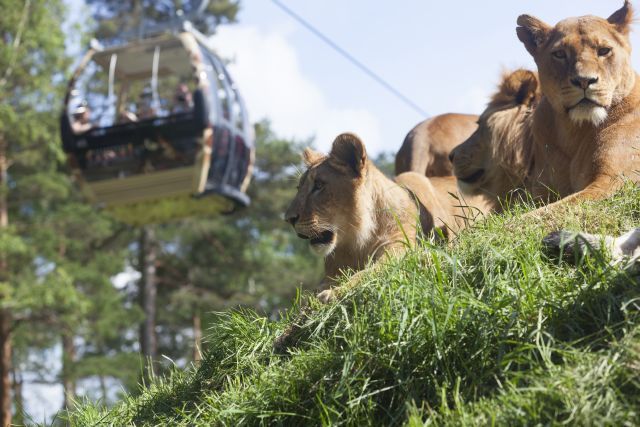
x=497, y=158
x=353, y=214
x=585, y=131
x=426, y=147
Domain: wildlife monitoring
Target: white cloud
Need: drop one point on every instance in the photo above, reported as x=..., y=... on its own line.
x=125, y=277
x=265, y=67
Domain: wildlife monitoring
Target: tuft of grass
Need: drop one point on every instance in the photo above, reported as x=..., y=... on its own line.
x=489, y=330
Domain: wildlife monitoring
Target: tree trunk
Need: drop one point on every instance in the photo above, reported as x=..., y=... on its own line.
x=103, y=390
x=5, y=314
x=5, y=368
x=197, y=337
x=4, y=209
x=148, y=292
x=68, y=359
x=18, y=400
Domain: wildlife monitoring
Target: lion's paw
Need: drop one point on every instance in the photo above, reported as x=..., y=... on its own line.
x=327, y=296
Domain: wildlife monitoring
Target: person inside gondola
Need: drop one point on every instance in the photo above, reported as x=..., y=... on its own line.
x=182, y=99
x=127, y=116
x=81, y=121
x=146, y=109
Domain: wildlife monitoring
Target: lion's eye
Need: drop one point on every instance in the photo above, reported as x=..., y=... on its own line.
x=317, y=185
x=559, y=54
x=604, y=51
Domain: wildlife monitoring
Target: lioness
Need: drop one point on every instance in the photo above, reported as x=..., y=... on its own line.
x=585, y=131
x=427, y=146
x=352, y=213
x=587, y=127
x=497, y=158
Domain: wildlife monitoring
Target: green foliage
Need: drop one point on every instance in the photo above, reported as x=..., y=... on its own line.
x=488, y=331
x=115, y=17
x=386, y=162
x=59, y=251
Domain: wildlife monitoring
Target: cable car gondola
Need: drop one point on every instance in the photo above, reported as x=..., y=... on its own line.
x=155, y=129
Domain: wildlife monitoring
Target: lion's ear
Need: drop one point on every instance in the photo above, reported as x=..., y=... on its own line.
x=349, y=150
x=525, y=85
x=622, y=18
x=532, y=32
x=519, y=87
x=311, y=157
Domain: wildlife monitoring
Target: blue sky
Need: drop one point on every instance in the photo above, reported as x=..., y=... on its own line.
x=446, y=56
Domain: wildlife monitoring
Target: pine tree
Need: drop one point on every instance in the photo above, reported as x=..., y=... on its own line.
x=115, y=17
x=56, y=252
x=32, y=59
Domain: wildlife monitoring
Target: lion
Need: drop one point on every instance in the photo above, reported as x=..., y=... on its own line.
x=585, y=129
x=427, y=146
x=352, y=214
x=496, y=160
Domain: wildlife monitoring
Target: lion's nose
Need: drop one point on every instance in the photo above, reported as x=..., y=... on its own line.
x=292, y=219
x=584, y=82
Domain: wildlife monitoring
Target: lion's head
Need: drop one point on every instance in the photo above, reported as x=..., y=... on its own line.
x=584, y=63
x=493, y=160
x=331, y=206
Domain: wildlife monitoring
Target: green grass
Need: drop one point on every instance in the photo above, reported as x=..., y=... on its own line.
x=488, y=331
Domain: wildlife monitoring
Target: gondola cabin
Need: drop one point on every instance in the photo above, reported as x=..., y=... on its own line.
x=156, y=130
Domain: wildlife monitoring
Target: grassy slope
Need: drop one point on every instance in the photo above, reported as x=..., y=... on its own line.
x=490, y=330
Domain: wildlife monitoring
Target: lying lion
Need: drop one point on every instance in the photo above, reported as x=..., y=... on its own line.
x=497, y=159
x=352, y=214
x=427, y=146
x=582, y=139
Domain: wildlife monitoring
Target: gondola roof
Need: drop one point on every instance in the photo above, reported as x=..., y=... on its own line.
x=133, y=58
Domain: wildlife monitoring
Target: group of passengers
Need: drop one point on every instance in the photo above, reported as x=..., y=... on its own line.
x=145, y=109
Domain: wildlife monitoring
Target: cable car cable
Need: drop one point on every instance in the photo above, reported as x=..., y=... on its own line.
x=381, y=81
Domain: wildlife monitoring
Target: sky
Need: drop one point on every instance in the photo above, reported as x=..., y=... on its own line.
x=446, y=56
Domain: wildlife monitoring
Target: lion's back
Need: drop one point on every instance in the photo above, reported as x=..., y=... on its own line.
x=426, y=147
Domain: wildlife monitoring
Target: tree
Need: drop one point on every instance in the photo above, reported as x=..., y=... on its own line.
x=385, y=161
x=89, y=249
x=114, y=17
x=32, y=59
x=56, y=252
x=147, y=252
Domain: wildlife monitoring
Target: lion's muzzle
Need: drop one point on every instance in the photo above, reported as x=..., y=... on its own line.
x=324, y=238
x=472, y=178
x=321, y=241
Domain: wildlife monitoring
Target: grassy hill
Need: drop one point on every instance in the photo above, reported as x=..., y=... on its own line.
x=488, y=331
